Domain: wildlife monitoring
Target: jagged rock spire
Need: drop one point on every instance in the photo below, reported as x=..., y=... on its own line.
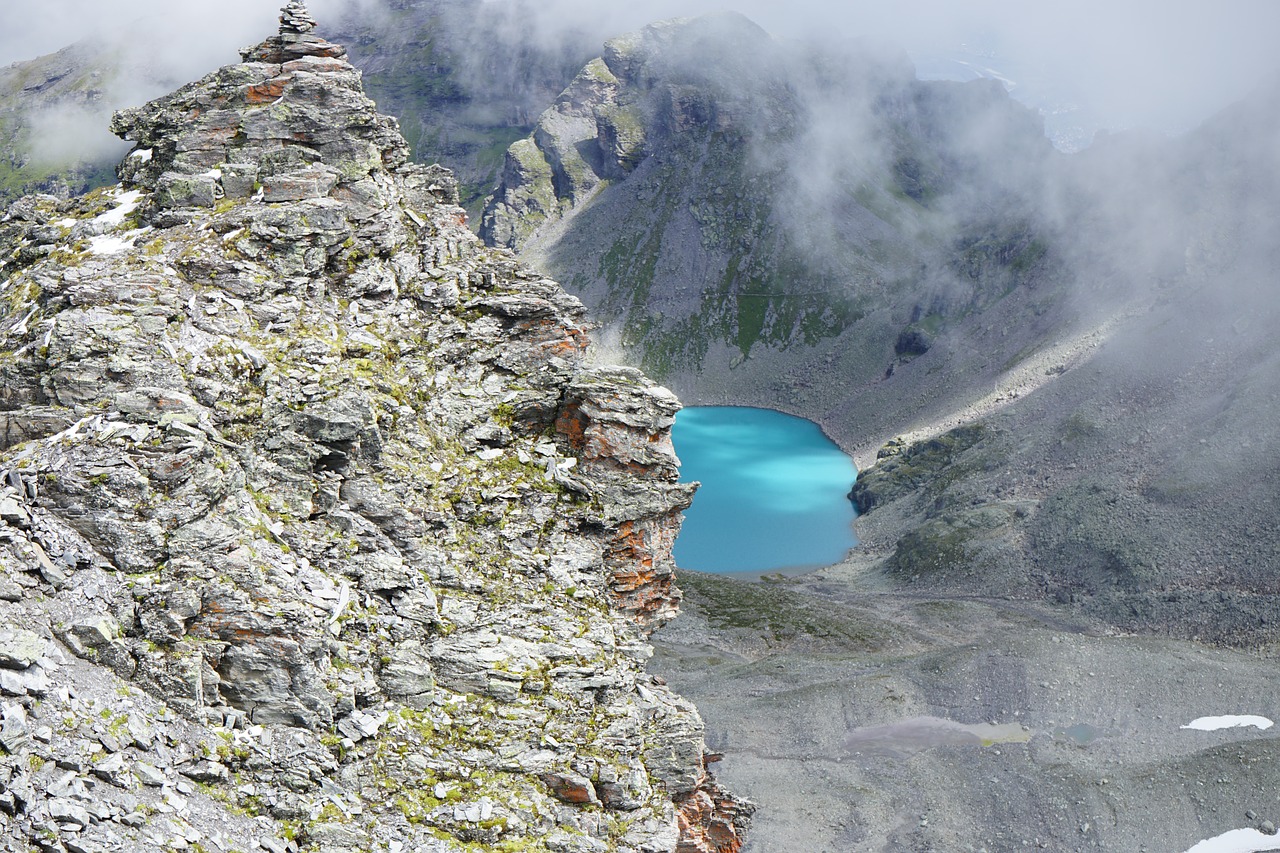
x=294, y=18
x=292, y=123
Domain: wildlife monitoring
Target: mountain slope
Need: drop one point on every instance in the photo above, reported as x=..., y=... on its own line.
x=740, y=226
x=1063, y=409
x=463, y=85
x=317, y=533
x=1137, y=484
x=897, y=258
x=44, y=105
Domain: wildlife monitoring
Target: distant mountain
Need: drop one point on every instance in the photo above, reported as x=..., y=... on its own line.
x=45, y=106
x=457, y=73
x=1069, y=507
x=827, y=235
x=744, y=215
x=1139, y=479
x=462, y=78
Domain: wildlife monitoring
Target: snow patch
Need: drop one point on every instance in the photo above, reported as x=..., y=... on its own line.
x=143, y=154
x=1238, y=841
x=1229, y=721
x=108, y=244
x=112, y=244
x=126, y=203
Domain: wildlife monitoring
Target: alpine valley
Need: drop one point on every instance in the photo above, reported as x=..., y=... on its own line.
x=326, y=529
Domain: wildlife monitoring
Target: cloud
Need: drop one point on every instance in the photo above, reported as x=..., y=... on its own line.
x=1162, y=64
x=172, y=40
x=1143, y=62
x=73, y=133
x=139, y=50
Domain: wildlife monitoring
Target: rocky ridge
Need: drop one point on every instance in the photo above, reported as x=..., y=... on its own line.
x=460, y=82
x=739, y=226
x=317, y=532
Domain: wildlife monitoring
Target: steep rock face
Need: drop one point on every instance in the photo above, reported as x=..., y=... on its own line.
x=561, y=165
x=744, y=216
x=287, y=449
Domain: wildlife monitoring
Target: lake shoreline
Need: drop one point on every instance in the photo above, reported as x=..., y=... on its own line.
x=774, y=494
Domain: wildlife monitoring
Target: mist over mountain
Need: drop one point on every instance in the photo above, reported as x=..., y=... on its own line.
x=1141, y=63
x=823, y=233
x=740, y=223
x=1055, y=371
x=1058, y=372
x=469, y=77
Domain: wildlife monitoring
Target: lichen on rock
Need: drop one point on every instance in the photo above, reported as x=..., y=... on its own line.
x=319, y=531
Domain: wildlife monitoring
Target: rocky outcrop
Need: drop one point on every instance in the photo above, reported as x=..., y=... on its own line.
x=716, y=197
x=643, y=85
x=902, y=468
x=617, y=423
x=319, y=533
x=712, y=820
x=576, y=144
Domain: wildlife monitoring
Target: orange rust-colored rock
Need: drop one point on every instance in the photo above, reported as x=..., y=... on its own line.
x=617, y=423
x=265, y=93
x=572, y=427
x=570, y=788
x=642, y=576
x=711, y=820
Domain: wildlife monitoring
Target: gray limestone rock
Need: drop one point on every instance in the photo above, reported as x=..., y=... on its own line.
x=148, y=775
x=70, y=814
x=14, y=733
x=276, y=456
x=113, y=769
x=96, y=631
x=33, y=681
x=20, y=649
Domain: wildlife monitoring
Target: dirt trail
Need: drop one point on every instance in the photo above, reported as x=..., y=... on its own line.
x=1031, y=374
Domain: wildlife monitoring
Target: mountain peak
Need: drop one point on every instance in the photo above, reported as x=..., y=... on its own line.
x=313, y=459
x=291, y=121
x=295, y=39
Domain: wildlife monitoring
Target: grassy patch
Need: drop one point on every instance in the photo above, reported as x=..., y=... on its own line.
x=779, y=614
x=903, y=469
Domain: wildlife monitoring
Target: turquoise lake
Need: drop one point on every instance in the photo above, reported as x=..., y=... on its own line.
x=774, y=492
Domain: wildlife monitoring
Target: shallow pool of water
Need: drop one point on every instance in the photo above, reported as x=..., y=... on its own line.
x=774, y=492
x=907, y=737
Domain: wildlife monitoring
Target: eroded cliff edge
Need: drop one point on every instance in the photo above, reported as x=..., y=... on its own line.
x=317, y=534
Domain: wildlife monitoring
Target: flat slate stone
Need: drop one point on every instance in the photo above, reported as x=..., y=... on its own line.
x=19, y=649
